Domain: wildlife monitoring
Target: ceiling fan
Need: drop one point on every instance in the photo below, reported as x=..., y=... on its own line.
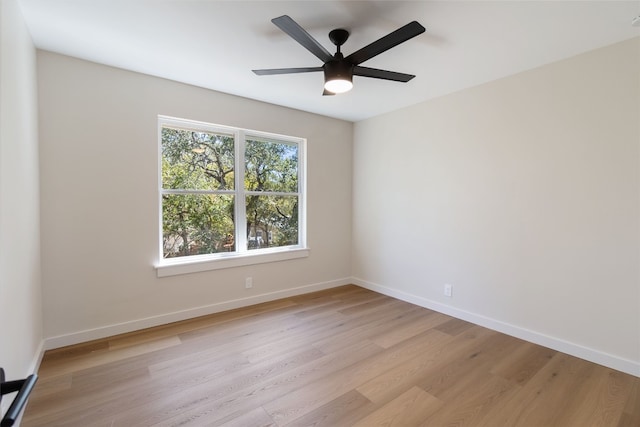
x=338, y=69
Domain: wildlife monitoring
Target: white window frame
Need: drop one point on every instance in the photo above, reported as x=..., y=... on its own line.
x=242, y=255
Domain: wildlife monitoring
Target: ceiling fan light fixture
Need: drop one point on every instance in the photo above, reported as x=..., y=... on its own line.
x=338, y=85
x=338, y=76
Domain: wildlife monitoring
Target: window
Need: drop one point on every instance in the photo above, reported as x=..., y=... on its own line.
x=228, y=196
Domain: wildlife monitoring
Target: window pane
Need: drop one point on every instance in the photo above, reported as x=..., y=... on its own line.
x=272, y=221
x=271, y=166
x=196, y=160
x=194, y=224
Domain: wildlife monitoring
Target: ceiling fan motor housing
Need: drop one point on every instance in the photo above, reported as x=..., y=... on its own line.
x=338, y=69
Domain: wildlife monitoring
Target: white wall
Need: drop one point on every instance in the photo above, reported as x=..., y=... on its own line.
x=20, y=307
x=98, y=135
x=524, y=194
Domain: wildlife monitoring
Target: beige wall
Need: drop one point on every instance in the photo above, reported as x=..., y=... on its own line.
x=20, y=309
x=524, y=194
x=98, y=136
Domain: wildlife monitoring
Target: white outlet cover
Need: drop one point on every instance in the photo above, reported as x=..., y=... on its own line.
x=448, y=290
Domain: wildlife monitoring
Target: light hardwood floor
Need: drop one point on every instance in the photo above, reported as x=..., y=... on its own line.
x=342, y=357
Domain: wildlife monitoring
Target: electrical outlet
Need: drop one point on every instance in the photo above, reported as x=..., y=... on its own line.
x=448, y=290
x=248, y=283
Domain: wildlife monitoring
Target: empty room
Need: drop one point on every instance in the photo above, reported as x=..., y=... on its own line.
x=319, y=213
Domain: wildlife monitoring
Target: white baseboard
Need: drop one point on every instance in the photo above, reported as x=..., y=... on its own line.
x=624, y=365
x=163, y=319
x=37, y=358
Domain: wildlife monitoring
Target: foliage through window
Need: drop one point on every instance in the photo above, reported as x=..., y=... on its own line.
x=228, y=191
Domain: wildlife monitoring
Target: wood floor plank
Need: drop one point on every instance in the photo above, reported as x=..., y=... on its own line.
x=454, y=326
x=335, y=304
x=474, y=355
x=192, y=325
x=366, y=327
x=255, y=418
x=288, y=383
x=103, y=357
x=523, y=363
x=53, y=385
x=468, y=405
x=253, y=347
x=72, y=351
x=543, y=399
x=336, y=357
x=86, y=401
x=598, y=400
x=411, y=408
x=375, y=304
x=344, y=410
x=179, y=396
x=421, y=322
x=294, y=405
x=423, y=369
x=631, y=414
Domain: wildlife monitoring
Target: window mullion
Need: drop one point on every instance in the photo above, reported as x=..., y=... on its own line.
x=160, y=186
x=270, y=193
x=240, y=203
x=180, y=191
x=302, y=194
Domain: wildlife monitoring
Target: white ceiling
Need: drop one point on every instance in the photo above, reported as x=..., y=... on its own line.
x=216, y=44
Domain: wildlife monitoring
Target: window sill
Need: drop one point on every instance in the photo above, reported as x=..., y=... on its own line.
x=176, y=266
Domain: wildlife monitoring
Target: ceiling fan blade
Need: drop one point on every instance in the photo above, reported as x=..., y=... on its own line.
x=381, y=74
x=272, y=71
x=385, y=43
x=291, y=27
